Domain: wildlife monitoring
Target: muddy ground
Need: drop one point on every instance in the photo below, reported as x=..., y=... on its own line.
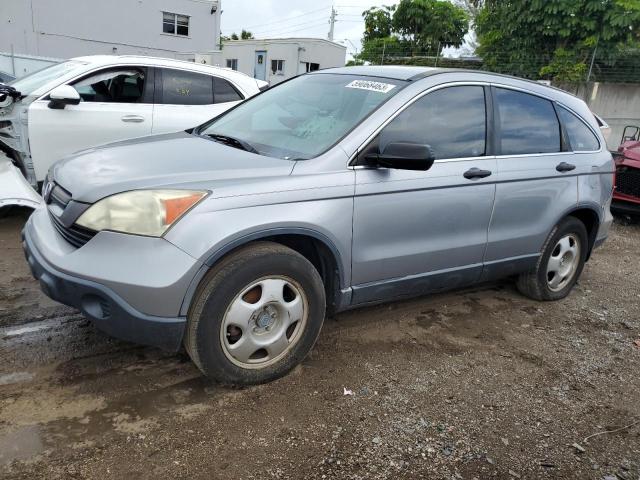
x=475, y=384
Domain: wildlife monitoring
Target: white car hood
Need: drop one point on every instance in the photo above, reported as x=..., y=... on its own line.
x=14, y=188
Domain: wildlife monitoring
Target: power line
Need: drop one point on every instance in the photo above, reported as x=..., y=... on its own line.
x=285, y=32
x=284, y=19
x=286, y=27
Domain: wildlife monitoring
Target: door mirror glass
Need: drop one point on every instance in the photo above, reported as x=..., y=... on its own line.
x=404, y=156
x=62, y=96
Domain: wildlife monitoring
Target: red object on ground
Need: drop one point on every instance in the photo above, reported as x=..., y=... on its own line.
x=626, y=196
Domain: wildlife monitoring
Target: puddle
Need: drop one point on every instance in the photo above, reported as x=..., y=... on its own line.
x=16, y=377
x=21, y=444
x=21, y=331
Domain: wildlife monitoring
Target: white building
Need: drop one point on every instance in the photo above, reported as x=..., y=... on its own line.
x=71, y=28
x=278, y=59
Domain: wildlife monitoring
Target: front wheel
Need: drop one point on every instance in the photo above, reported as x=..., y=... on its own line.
x=256, y=315
x=560, y=264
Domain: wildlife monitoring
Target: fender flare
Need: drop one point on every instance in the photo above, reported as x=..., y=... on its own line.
x=213, y=256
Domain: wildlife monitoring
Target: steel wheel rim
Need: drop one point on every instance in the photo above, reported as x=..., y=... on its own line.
x=271, y=315
x=563, y=262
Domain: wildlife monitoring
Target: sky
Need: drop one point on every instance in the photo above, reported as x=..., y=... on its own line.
x=298, y=18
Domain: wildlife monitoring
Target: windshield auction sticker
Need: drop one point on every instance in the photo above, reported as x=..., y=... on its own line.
x=372, y=86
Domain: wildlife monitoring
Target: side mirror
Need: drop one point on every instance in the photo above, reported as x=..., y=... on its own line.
x=404, y=156
x=62, y=96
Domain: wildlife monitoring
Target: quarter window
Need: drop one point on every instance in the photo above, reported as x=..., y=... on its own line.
x=186, y=88
x=112, y=86
x=224, y=91
x=581, y=137
x=175, y=24
x=452, y=121
x=528, y=124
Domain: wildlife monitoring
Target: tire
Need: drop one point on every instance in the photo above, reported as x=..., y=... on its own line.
x=560, y=265
x=262, y=295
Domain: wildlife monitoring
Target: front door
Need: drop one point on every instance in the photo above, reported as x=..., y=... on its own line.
x=260, y=69
x=422, y=231
x=116, y=105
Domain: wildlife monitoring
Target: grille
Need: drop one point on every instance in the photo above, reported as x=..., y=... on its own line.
x=628, y=181
x=75, y=235
x=60, y=196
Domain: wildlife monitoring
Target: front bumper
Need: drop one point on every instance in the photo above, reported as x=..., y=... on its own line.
x=108, y=309
x=14, y=188
x=625, y=207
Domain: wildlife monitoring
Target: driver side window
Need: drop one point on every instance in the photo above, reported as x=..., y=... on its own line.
x=113, y=86
x=452, y=121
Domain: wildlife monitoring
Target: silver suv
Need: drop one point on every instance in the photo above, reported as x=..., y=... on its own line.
x=336, y=189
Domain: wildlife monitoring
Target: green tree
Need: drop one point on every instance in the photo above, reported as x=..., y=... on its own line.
x=430, y=25
x=234, y=36
x=246, y=35
x=554, y=38
x=377, y=22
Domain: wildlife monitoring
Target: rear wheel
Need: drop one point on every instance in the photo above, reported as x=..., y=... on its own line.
x=256, y=315
x=560, y=264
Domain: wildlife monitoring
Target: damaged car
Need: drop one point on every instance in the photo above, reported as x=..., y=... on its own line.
x=88, y=101
x=626, y=198
x=333, y=190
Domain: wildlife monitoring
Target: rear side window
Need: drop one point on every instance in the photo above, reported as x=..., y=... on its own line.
x=224, y=91
x=452, y=121
x=186, y=88
x=528, y=124
x=580, y=136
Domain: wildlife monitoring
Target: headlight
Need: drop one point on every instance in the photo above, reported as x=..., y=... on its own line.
x=141, y=212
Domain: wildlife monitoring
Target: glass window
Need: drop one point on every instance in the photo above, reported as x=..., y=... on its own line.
x=581, y=137
x=304, y=117
x=223, y=91
x=112, y=86
x=186, y=88
x=30, y=83
x=175, y=24
x=232, y=63
x=528, y=124
x=277, y=66
x=452, y=121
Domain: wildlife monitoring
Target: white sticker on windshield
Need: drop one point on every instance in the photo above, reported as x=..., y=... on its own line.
x=373, y=86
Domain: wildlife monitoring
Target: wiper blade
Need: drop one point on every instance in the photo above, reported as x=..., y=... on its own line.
x=233, y=142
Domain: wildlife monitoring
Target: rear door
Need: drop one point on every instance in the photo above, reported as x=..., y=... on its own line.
x=537, y=179
x=186, y=99
x=421, y=231
x=117, y=104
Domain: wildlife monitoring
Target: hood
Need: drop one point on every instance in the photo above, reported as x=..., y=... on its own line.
x=631, y=150
x=177, y=160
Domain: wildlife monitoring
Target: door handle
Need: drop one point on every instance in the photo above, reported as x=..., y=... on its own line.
x=476, y=173
x=565, y=167
x=132, y=118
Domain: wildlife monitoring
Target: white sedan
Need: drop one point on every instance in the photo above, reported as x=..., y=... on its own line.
x=89, y=101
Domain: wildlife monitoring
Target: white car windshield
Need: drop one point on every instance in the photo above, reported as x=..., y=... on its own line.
x=304, y=117
x=32, y=82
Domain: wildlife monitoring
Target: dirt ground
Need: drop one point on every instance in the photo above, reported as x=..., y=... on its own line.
x=475, y=384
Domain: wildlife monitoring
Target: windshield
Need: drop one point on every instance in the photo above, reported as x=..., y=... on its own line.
x=29, y=84
x=304, y=117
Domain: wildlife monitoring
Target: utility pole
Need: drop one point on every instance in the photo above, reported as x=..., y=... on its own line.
x=384, y=45
x=593, y=59
x=332, y=22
